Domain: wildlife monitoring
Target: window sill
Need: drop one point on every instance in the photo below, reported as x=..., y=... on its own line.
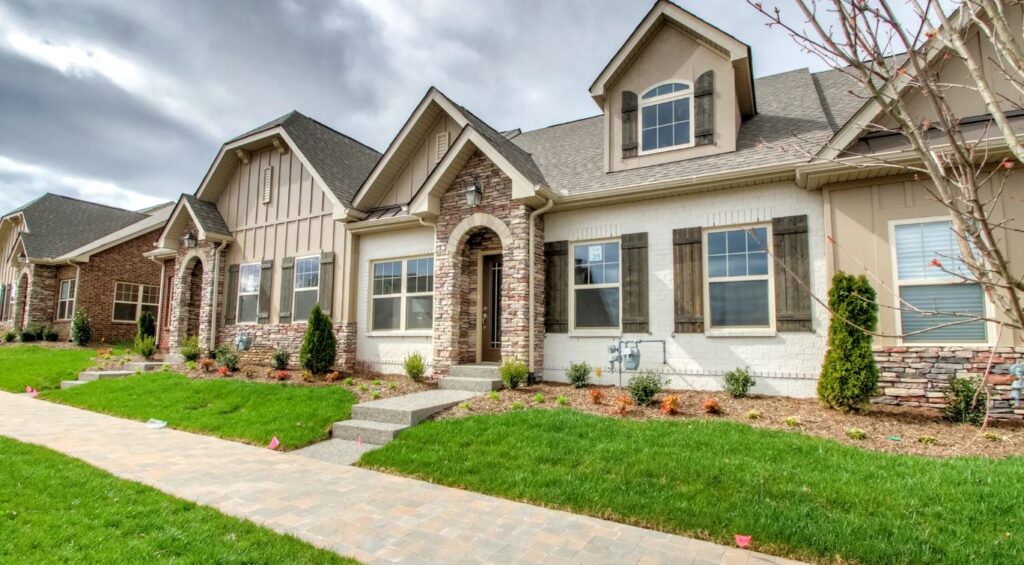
x=741, y=332
x=596, y=333
x=417, y=333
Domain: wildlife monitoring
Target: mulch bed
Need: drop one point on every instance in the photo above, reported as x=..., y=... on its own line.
x=880, y=422
x=362, y=386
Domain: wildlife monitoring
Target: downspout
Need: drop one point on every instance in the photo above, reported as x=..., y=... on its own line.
x=213, y=300
x=533, y=223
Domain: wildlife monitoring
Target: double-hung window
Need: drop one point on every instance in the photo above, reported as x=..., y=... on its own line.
x=937, y=304
x=248, y=293
x=597, y=290
x=666, y=117
x=131, y=300
x=66, y=300
x=403, y=295
x=307, y=287
x=738, y=278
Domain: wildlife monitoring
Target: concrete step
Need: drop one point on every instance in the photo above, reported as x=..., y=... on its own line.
x=475, y=371
x=71, y=384
x=337, y=451
x=97, y=375
x=473, y=384
x=411, y=408
x=146, y=366
x=377, y=433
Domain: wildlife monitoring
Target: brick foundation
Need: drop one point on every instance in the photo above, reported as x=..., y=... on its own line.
x=269, y=337
x=918, y=376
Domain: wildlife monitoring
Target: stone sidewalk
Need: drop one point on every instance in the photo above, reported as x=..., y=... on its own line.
x=373, y=517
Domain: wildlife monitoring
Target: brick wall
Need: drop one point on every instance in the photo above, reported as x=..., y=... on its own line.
x=918, y=376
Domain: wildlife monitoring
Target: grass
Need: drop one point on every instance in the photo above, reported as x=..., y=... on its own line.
x=231, y=409
x=797, y=495
x=56, y=509
x=39, y=367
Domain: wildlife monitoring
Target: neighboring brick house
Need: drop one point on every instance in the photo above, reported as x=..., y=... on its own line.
x=63, y=254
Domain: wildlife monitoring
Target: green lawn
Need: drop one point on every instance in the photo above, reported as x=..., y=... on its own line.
x=798, y=496
x=231, y=409
x=56, y=509
x=39, y=367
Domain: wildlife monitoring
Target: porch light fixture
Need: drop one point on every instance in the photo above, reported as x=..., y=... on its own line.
x=190, y=240
x=474, y=194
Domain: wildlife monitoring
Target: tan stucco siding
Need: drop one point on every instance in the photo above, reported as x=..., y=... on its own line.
x=861, y=218
x=673, y=55
x=422, y=162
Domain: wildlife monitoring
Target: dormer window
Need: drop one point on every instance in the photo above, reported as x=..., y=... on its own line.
x=666, y=117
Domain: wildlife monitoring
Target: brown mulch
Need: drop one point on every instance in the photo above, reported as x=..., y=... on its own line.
x=880, y=422
x=362, y=386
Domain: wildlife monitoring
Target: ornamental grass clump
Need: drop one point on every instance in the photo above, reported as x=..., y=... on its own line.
x=319, y=346
x=849, y=376
x=513, y=373
x=414, y=366
x=578, y=374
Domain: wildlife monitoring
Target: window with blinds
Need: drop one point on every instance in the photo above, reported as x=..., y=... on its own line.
x=937, y=304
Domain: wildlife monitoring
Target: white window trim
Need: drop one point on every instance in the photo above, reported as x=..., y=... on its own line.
x=138, y=302
x=403, y=295
x=658, y=100
x=990, y=327
x=739, y=331
x=72, y=295
x=296, y=289
x=239, y=294
x=592, y=332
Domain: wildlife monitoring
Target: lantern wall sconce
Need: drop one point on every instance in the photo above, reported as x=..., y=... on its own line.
x=474, y=194
x=190, y=240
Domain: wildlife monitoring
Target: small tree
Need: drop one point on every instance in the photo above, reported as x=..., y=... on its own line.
x=319, y=346
x=81, y=329
x=146, y=325
x=849, y=376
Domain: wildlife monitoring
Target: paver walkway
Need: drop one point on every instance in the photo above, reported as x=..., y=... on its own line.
x=374, y=517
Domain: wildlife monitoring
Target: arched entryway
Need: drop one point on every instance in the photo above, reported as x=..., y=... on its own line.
x=479, y=267
x=192, y=305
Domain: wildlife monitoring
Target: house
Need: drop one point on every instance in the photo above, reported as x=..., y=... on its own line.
x=61, y=254
x=671, y=217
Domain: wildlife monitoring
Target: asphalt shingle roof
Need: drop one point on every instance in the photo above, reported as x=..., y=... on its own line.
x=207, y=216
x=59, y=224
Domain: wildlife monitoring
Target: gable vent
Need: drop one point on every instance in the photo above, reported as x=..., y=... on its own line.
x=442, y=146
x=268, y=176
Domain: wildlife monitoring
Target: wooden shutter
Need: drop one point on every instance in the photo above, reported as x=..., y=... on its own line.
x=263, y=306
x=635, y=302
x=231, y=295
x=629, y=124
x=688, y=280
x=792, y=274
x=3, y=302
x=326, y=281
x=556, y=287
x=704, y=109
x=284, y=314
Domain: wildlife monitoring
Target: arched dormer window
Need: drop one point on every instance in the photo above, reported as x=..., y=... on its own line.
x=666, y=117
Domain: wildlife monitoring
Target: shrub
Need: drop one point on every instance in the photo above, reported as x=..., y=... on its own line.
x=966, y=401
x=333, y=376
x=643, y=387
x=319, y=346
x=414, y=366
x=10, y=336
x=494, y=395
x=280, y=359
x=670, y=404
x=992, y=436
x=849, y=376
x=596, y=395
x=49, y=334
x=562, y=401
x=307, y=376
x=376, y=382
x=81, y=329
x=622, y=404
x=513, y=373
x=753, y=414
x=517, y=405
x=392, y=385
x=28, y=334
x=792, y=421
x=375, y=394
x=347, y=381
x=145, y=326
x=738, y=382
x=282, y=375
x=190, y=349
x=711, y=406
x=578, y=374
x=190, y=365
x=145, y=346
x=207, y=364
x=227, y=357
x=223, y=371
x=538, y=398
x=363, y=388
x=249, y=372
x=465, y=406
x=926, y=440
x=856, y=433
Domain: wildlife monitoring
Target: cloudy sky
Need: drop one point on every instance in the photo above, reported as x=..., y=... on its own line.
x=127, y=102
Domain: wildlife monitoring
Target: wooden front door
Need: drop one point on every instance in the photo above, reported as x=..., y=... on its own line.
x=490, y=301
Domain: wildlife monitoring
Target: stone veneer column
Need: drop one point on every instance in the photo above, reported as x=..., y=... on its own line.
x=42, y=295
x=181, y=301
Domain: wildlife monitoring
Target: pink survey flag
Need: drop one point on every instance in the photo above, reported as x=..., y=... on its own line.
x=31, y=391
x=743, y=541
x=274, y=443
x=359, y=441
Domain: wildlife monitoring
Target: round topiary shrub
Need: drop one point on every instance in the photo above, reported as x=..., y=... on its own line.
x=319, y=346
x=578, y=374
x=849, y=377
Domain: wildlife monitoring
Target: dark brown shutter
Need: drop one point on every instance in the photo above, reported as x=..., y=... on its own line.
x=231, y=295
x=326, y=281
x=688, y=280
x=704, y=109
x=635, y=303
x=263, y=306
x=629, y=124
x=556, y=287
x=3, y=302
x=287, y=284
x=792, y=274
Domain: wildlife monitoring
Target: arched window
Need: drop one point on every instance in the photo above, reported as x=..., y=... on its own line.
x=666, y=117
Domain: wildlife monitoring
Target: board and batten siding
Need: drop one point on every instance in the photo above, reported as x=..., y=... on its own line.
x=8, y=238
x=411, y=177
x=297, y=221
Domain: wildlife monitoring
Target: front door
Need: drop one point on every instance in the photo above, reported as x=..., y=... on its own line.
x=491, y=309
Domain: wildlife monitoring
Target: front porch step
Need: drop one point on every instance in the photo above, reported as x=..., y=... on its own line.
x=89, y=376
x=71, y=384
x=377, y=433
x=475, y=371
x=146, y=366
x=411, y=408
x=473, y=384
